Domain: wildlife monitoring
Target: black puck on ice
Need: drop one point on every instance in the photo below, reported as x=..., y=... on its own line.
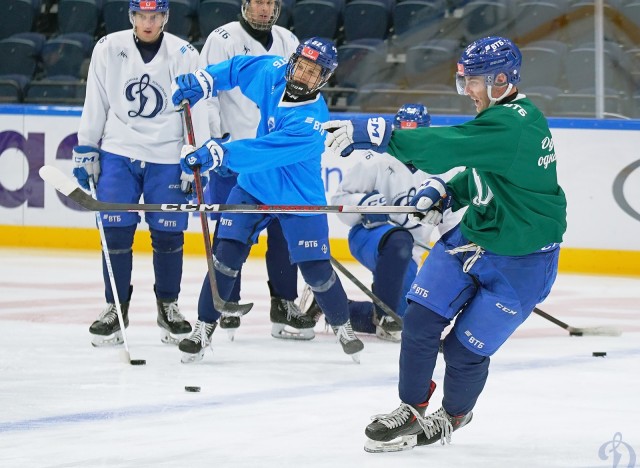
x=138, y=362
x=192, y=389
x=598, y=354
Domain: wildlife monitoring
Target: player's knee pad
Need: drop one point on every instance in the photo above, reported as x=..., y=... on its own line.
x=318, y=274
x=423, y=325
x=119, y=239
x=458, y=355
x=397, y=243
x=166, y=241
x=230, y=255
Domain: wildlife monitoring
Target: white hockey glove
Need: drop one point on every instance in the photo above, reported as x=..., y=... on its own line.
x=432, y=199
x=87, y=161
x=373, y=220
x=345, y=136
x=192, y=87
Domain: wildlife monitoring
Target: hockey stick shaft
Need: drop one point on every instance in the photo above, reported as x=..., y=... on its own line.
x=218, y=302
x=68, y=188
x=112, y=278
x=575, y=331
x=376, y=300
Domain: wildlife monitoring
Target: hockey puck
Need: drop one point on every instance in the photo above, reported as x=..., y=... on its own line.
x=192, y=389
x=138, y=362
x=598, y=354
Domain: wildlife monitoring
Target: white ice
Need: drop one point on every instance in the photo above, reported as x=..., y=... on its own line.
x=273, y=403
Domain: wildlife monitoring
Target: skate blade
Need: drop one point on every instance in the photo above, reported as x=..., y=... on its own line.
x=398, y=444
x=168, y=338
x=285, y=332
x=99, y=341
x=386, y=336
x=356, y=357
x=231, y=334
x=188, y=358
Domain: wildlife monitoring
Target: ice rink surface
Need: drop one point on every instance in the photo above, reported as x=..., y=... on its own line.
x=271, y=403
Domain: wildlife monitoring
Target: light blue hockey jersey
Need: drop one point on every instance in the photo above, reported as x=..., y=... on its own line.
x=282, y=164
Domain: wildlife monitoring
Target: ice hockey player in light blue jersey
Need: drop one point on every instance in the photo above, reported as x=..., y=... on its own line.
x=280, y=166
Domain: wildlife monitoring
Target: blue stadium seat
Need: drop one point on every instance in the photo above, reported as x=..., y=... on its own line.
x=413, y=15
x=320, y=18
x=18, y=56
x=489, y=18
x=361, y=61
x=540, y=15
x=12, y=87
x=78, y=16
x=215, y=13
x=64, y=56
x=17, y=16
x=286, y=11
x=431, y=62
x=367, y=19
x=543, y=64
x=181, y=16
x=59, y=89
x=631, y=10
x=116, y=15
x=580, y=67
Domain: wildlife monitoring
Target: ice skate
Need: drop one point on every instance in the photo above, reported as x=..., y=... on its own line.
x=194, y=346
x=105, y=331
x=351, y=344
x=230, y=323
x=288, y=322
x=173, y=326
x=399, y=429
x=386, y=328
x=440, y=425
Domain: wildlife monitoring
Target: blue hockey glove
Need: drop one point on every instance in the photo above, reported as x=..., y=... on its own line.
x=372, y=220
x=432, y=199
x=208, y=156
x=345, y=136
x=192, y=87
x=187, y=180
x=87, y=161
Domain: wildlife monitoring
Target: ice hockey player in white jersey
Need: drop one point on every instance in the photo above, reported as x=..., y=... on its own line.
x=390, y=246
x=231, y=112
x=129, y=143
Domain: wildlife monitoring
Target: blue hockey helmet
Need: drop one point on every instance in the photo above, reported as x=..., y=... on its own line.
x=489, y=57
x=160, y=6
x=412, y=116
x=318, y=50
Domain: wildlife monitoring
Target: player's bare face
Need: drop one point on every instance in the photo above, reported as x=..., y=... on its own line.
x=148, y=26
x=261, y=11
x=476, y=89
x=307, y=72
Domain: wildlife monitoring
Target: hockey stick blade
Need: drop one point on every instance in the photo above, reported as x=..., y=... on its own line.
x=575, y=331
x=68, y=188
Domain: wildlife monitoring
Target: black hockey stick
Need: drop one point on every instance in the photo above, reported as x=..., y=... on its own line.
x=574, y=331
x=222, y=306
x=68, y=188
x=376, y=300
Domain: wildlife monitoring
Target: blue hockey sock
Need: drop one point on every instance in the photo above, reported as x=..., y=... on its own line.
x=235, y=292
x=361, y=316
x=394, y=255
x=464, y=377
x=327, y=289
x=167, y=262
x=283, y=275
x=119, y=243
x=418, y=352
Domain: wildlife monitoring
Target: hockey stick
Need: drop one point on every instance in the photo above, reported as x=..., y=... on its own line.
x=107, y=259
x=221, y=305
x=574, y=331
x=68, y=188
x=376, y=300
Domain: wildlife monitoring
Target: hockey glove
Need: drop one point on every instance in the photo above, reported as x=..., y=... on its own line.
x=192, y=87
x=87, y=161
x=187, y=180
x=432, y=199
x=208, y=156
x=345, y=136
x=373, y=220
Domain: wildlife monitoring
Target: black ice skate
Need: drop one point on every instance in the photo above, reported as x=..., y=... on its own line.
x=230, y=323
x=106, y=330
x=386, y=328
x=399, y=429
x=194, y=346
x=288, y=322
x=351, y=344
x=173, y=326
x=440, y=425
